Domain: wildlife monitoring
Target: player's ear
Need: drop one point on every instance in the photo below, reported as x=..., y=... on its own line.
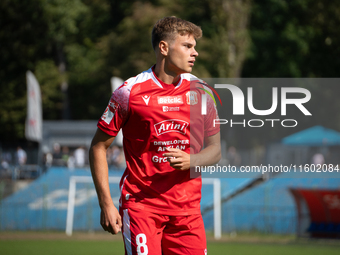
x=163, y=48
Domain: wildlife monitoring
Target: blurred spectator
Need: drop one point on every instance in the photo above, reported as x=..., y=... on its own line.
x=71, y=162
x=57, y=155
x=233, y=157
x=65, y=155
x=7, y=156
x=318, y=159
x=115, y=156
x=21, y=156
x=48, y=159
x=4, y=164
x=79, y=155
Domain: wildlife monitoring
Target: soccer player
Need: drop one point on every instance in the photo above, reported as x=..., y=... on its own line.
x=164, y=131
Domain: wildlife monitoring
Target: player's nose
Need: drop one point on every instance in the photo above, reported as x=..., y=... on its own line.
x=194, y=53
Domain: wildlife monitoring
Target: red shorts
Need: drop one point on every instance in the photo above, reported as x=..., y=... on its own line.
x=147, y=233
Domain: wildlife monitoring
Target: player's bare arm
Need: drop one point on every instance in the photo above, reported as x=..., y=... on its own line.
x=109, y=217
x=211, y=154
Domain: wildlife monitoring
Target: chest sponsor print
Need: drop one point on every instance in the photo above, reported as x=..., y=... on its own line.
x=167, y=126
x=170, y=100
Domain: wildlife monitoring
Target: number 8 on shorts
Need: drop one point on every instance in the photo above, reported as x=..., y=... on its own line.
x=142, y=248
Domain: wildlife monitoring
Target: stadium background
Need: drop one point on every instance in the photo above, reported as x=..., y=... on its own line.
x=75, y=47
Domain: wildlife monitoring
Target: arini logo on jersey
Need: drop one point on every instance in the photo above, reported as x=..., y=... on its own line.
x=170, y=100
x=167, y=126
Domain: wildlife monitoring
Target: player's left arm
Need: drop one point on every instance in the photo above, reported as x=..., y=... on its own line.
x=211, y=154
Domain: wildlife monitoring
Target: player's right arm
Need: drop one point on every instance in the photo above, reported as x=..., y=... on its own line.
x=109, y=217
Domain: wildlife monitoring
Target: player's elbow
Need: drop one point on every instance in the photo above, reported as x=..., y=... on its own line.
x=91, y=154
x=94, y=150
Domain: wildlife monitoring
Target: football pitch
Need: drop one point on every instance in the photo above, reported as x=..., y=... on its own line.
x=53, y=245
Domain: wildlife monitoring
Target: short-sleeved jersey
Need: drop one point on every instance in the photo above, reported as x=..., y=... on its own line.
x=153, y=116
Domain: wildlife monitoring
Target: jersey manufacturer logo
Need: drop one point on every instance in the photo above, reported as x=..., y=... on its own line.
x=146, y=99
x=170, y=100
x=170, y=108
x=110, y=110
x=167, y=126
x=191, y=97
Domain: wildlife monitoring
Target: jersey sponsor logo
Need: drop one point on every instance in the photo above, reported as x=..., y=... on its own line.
x=171, y=142
x=170, y=100
x=191, y=97
x=170, y=108
x=110, y=111
x=167, y=126
x=146, y=99
x=157, y=159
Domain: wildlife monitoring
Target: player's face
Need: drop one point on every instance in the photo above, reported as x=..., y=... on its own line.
x=182, y=54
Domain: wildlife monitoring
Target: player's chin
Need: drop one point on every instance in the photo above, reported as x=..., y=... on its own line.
x=187, y=69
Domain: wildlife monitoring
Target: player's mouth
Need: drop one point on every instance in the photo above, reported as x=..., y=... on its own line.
x=191, y=63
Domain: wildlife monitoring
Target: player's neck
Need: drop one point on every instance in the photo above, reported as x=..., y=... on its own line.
x=165, y=75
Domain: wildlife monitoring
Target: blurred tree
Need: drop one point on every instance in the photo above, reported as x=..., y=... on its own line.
x=293, y=39
x=62, y=17
x=129, y=49
x=22, y=44
x=49, y=78
x=229, y=38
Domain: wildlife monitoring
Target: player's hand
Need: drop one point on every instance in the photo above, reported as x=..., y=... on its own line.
x=177, y=158
x=110, y=219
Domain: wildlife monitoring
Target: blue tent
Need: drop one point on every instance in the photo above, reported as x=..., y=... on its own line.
x=314, y=136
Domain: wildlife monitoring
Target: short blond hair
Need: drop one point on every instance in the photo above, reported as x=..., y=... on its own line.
x=167, y=28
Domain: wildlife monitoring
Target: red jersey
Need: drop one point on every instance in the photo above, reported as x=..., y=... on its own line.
x=154, y=115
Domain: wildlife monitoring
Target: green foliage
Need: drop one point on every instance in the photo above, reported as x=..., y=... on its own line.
x=22, y=37
x=293, y=39
x=49, y=79
x=128, y=48
x=62, y=16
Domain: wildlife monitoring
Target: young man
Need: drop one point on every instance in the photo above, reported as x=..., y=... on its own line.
x=164, y=131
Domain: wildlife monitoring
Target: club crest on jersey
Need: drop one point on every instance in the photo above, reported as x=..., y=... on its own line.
x=191, y=97
x=109, y=112
x=146, y=99
x=170, y=100
x=167, y=126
